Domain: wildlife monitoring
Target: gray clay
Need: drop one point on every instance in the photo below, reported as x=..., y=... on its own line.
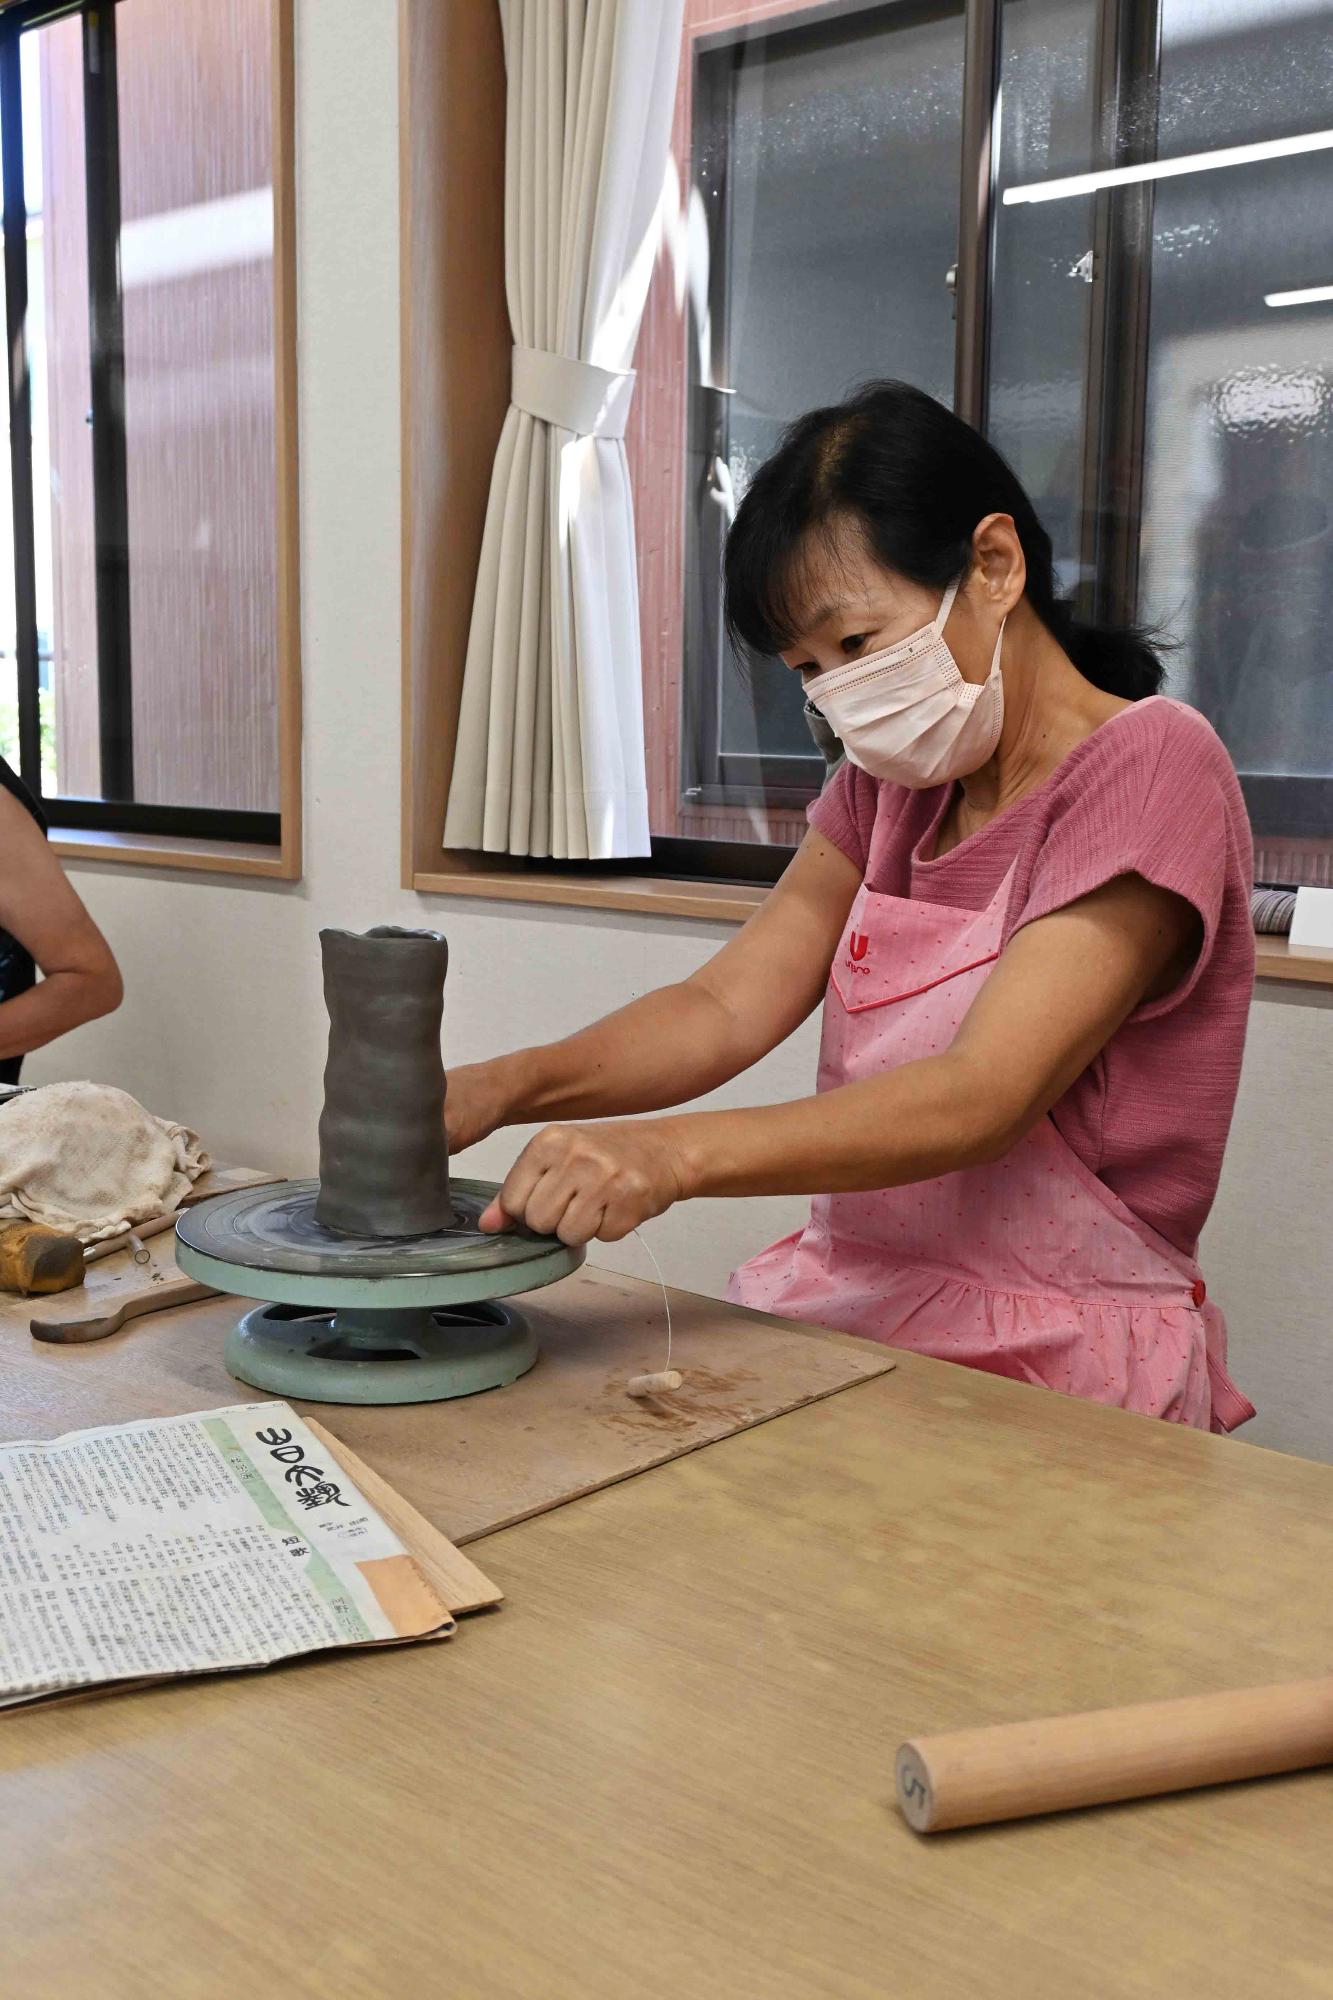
x=383, y=1153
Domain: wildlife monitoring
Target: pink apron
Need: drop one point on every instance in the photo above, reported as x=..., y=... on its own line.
x=1030, y=1267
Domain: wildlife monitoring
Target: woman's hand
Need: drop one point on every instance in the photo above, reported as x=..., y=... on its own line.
x=476, y=1103
x=578, y=1182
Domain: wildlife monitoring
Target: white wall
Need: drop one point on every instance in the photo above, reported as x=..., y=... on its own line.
x=223, y=1025
x=1268, y=1247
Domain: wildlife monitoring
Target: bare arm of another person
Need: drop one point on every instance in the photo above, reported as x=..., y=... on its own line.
x=683, y=1040
x=1059, y=991
x=41, y=908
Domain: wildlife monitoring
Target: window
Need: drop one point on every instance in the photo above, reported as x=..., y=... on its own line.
x=797, y=140
x=1162, y=361
x=1155, y=355
x=141, y=649
x=821, y=152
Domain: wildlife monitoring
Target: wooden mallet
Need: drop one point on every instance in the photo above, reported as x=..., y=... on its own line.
x=35, y=1259
x=970, y=1777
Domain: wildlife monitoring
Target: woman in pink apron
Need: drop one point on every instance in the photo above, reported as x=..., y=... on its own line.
x=1024, y=904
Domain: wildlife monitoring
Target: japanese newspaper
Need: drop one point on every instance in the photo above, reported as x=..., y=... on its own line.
x=185, y=1545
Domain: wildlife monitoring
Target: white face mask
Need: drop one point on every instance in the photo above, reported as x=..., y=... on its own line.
x=906, y=713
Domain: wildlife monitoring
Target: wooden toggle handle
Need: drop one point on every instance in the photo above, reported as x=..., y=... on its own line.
x=972, y=1776
x=654, y=1385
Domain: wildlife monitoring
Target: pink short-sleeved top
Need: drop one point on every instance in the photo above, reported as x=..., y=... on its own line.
x=1151, y=792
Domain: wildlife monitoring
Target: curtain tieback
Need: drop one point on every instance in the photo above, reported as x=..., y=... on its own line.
x=575, y=395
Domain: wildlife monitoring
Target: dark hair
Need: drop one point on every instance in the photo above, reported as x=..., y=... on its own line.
x=915, y=479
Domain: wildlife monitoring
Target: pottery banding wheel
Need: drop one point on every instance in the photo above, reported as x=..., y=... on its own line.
x=369, y=1319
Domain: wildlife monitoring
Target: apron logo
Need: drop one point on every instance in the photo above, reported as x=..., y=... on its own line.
x=858, y=944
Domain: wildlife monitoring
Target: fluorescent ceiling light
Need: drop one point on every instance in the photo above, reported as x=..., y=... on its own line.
x=1160, y=170
x=1314, y=295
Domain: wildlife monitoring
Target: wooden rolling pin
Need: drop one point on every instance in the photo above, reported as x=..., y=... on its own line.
x=972, y=1776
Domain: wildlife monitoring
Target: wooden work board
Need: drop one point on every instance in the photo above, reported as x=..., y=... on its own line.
x=479, y=1462
x=664, y=1770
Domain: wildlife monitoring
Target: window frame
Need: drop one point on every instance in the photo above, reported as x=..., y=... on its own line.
x=455, y=391
x=119, y=827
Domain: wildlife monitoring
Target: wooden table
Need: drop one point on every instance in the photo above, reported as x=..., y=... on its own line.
x=664, y=1767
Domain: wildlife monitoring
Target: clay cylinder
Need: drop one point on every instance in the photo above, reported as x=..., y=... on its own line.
x=1015, y=1769
x=383, y=1153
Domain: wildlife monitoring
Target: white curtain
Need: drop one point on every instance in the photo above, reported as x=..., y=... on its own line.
x=550, y=754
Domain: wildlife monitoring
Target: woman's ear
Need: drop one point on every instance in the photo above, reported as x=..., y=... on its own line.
x=999, y=567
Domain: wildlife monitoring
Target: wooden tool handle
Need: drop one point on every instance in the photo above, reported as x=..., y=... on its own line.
x=218, y=1181
x=111, y=1246
x=176, y=1292
x=972, y=1776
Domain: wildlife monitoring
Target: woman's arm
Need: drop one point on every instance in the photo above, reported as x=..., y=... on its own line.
x=1058, y=993
x=683, y=1040
x=41, y=908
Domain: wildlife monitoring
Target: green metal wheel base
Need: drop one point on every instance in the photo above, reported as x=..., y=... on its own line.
x=359, y=1355
x=369, y=1320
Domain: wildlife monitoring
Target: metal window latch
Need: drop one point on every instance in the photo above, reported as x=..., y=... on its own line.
x=951, y=287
